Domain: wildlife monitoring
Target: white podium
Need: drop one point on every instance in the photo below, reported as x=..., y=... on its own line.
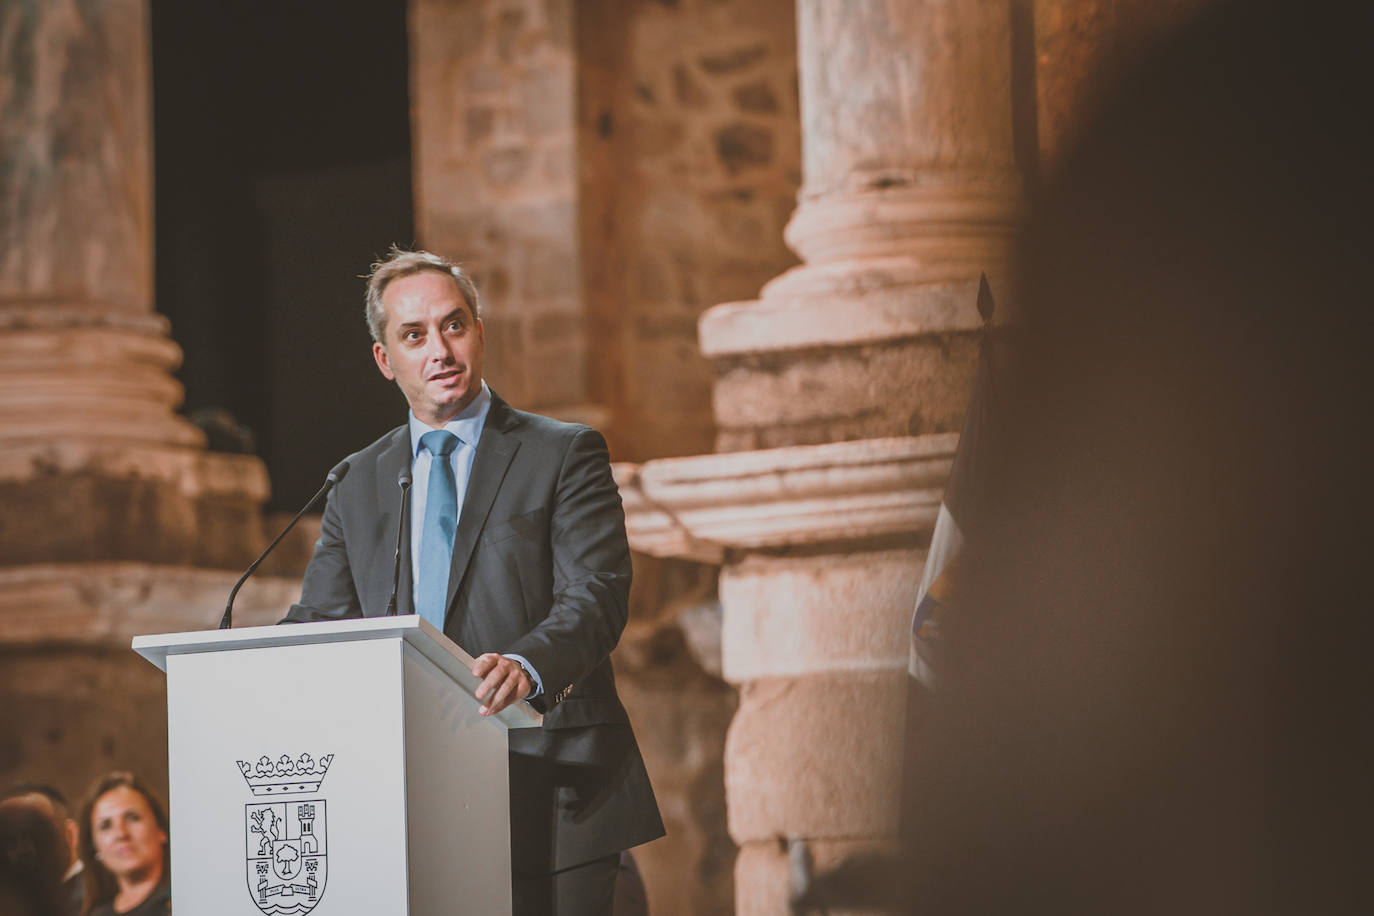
x=339, y=765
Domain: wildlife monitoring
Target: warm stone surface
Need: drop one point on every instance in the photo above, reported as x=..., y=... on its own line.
x=668, y=675
x=808, y=495
x=104, y=605
x=817, y=756
x=495, y=182
x=96, y=500
x=689, y=160
x=76, y=179
x=906, y=387
x=892, y=90
x=791, y=616
x=122, y=389
x=880, y=303
x=911, y=192
x=766, y=874
x=680, y=714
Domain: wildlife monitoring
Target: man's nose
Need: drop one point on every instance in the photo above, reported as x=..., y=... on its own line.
x=439, y=350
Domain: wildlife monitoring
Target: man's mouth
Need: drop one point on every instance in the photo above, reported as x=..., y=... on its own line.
x=447, y=374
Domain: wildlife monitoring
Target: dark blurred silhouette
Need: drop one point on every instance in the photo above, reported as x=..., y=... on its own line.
x=50, y=799
x=1149, y=701
x=33, y=857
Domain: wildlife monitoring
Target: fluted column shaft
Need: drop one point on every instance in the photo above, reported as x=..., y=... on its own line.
x=85, y=356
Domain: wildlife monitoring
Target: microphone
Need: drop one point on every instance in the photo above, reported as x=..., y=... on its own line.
x=402, y=481
x=332, y=478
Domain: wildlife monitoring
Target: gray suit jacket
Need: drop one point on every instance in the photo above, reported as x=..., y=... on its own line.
x=540, y=568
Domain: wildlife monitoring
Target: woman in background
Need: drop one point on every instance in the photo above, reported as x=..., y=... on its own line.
x=124, y=844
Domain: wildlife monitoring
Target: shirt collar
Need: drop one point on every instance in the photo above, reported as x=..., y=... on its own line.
x=467, y=426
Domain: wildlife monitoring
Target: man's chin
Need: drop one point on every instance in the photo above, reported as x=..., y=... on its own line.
x=445, y=409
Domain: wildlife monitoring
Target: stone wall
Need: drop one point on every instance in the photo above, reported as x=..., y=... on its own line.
x=690, y=160
x=496, y=184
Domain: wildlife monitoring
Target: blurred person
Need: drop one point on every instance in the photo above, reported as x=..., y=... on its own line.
x=1150, y=703
x=1149, y=699
x=33, y=856
x=125, y=847
x=55, y=803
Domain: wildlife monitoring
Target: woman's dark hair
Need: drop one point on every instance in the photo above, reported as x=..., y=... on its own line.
x=99, y=882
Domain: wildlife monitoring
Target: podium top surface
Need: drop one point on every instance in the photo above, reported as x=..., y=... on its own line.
x=420, y=634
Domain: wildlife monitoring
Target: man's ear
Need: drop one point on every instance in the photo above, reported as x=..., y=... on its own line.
x=383, y=363
x=73, y=836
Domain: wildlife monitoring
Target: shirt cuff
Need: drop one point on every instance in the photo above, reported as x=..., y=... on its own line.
x=529, y=669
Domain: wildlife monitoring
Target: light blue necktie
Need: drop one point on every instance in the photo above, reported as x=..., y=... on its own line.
x=441, y=520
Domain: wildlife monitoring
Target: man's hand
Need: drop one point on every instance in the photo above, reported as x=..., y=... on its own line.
x=503, y=678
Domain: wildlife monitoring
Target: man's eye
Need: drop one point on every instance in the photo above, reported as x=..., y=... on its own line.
x=455, y=326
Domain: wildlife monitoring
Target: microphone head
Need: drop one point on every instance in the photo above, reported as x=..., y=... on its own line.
x=338, y=472
x=403, y=479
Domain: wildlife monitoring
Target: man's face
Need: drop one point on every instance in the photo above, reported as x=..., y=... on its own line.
x=433, y=345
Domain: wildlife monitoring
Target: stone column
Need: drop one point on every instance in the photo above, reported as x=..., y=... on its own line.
x=839, y=395
x=910, y=191
x=102, y=485
x=822, y=556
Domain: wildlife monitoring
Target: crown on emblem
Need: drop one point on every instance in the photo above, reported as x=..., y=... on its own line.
x=285, y=776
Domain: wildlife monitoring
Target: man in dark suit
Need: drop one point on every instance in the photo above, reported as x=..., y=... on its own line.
x=518, y=553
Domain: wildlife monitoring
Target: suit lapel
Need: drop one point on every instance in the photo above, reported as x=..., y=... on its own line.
x=495, y=450
x=394, y=459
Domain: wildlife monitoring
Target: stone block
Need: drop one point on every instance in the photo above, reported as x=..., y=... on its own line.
x=547, y=100
x=478, y=120
x=90, y=501
x=907, y=387
x=554, y=375
x=743, y=146
x=756, y=97
x=732, y=60
x=791, y=616
x=506, y=165
x=687, y=92
x=765, y=874
x=763, y=883
x=817, y=756
x=103, y=605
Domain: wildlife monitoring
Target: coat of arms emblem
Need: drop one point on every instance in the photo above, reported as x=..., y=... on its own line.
x=284, y=833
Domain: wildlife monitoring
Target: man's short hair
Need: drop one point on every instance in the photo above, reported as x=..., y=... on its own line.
x=60, y=808
x=402, y=263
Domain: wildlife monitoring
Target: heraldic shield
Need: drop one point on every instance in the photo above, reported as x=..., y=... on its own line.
x=287, y=861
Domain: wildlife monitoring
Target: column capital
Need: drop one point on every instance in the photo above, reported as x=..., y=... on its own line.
x=836, y=493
